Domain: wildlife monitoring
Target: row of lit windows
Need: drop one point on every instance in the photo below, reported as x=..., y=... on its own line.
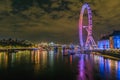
x=105, y=44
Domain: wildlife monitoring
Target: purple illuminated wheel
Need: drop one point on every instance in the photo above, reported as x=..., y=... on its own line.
x=89, y=42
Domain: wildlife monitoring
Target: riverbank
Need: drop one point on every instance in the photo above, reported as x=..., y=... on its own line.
x=111, y=55
x=14, y=50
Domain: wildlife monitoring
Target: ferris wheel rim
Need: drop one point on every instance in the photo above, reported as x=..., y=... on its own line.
x=85, y=6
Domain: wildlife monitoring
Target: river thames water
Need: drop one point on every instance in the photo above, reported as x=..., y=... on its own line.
x=47, y=65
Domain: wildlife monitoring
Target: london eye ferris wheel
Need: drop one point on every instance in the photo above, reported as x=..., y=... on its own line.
x=89, y=42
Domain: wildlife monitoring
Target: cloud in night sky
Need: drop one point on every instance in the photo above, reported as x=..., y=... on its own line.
x=55, y=20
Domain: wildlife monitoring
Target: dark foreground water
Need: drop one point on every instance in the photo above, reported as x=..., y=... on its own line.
x=43, y=65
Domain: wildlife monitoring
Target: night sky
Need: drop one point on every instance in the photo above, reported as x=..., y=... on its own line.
x=55, y=20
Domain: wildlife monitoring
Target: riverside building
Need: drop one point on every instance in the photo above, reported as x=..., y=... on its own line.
x=110, y=41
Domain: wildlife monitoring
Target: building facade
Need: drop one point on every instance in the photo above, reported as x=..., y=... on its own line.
x=110, y=41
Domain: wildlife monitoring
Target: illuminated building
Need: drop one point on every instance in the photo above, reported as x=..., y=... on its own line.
x=116, y=39
x=110, y=41
x=51, y=44
x=43, y=44
x=103, y=43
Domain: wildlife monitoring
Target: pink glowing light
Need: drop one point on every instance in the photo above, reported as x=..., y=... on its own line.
x=90, y=43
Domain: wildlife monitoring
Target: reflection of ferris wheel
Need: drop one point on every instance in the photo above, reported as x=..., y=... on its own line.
x=89, y=43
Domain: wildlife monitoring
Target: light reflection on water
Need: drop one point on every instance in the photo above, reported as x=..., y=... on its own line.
x=85, y=68
x=3, y=60
x=77, y=67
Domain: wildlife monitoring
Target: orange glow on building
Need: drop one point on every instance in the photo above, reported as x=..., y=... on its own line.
x=111, y=42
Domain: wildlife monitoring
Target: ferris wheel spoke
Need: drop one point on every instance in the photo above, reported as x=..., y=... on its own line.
x=90, y=41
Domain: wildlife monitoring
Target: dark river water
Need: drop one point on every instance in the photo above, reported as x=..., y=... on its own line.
x=43, y=65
